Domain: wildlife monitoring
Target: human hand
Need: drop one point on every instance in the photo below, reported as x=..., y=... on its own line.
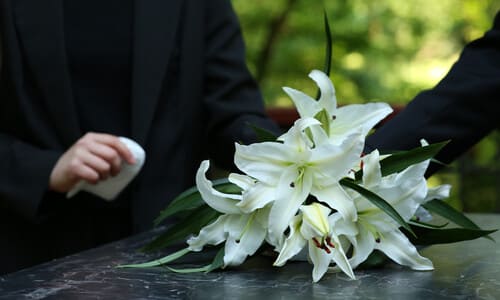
x=94, y=157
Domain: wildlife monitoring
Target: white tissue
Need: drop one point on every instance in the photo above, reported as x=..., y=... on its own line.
x=109, y=188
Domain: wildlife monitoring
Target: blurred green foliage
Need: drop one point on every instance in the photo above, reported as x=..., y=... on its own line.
x=382, y=50
x=386, y=50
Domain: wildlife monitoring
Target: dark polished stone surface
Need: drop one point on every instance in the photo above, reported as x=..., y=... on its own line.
x=466, y=270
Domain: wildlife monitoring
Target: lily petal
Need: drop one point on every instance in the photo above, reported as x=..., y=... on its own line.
x=397, y=247
x=357, y=118
x=439, y=192
x=242, y=181
x=224, y=203
x=341, y=226
x=332, y=162
x=339, y=257
x=336, y=197
x=405, y=191
x=315, y=220
x=327, y=98
x=306, y=106
x=320, y=259
x=423, y=214
x=293, y=244
x=296, y=137
x=212, y=234
x=319, y=135
x=372, y=174
x=411, y=195
x=290, y=195
x=363, y=245
x=257, y=197
x=237, y=249
x=263, y=161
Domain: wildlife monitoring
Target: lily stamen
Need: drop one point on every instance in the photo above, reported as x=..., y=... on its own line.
x=325, y=242
x=316, y=243
x=329, y=242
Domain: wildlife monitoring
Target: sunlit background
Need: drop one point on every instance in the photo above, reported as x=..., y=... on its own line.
x=382, y=50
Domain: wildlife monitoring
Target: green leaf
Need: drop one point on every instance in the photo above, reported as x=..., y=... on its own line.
x=402, y=160
x=217, y=263
x=431, y=236
x=224, y=186
x=399, y=161
x=157, y=262
x=428, y=225
x=324, y=118
x=377, y=201
x=328, y=49
x=263, y=135
x=188, y=200
x=445, y=210
x=438, y=162
x=191, y=224
x=189, y=270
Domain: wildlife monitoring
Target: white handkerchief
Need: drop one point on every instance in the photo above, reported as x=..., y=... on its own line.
x=110, y=188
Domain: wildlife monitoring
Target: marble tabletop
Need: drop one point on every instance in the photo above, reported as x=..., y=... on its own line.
x=466, y=270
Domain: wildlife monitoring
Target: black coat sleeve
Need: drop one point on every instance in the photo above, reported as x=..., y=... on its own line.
x=24, y=168
x=232, y=98
x=462, y=108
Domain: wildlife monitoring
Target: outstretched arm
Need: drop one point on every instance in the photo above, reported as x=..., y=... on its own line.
x=464, y=107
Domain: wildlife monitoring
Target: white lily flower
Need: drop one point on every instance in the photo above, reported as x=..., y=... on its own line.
x=254, y=195
x=221, y=202
x=243, y=233
x=439, y=192
x=297, y=168
x=423, y=215
x=311, y=227
x=405, y=191
x=293, y=244
x=346, y=120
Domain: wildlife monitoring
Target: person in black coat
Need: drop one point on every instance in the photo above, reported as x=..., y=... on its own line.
x=463, y=108
x=170, y=75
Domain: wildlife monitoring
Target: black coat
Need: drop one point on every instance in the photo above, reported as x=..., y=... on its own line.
x=464, y=107
x=191, y=98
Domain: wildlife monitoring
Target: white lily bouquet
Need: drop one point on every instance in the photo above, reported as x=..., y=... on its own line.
x=312, y=191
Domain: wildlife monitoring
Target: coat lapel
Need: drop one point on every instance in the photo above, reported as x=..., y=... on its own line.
x=155, y=25
x=41, y=28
